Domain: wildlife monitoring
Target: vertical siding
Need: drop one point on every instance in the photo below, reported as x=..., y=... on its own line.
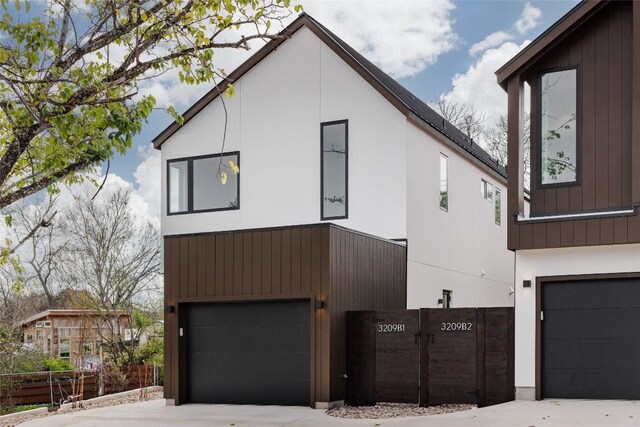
x=347, y=270
x=367, y=273
x=603, y=51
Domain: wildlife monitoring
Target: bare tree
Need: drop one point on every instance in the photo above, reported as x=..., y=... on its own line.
x=41, y=246
x=115, y=257
x=495, y=141
x=465, y=117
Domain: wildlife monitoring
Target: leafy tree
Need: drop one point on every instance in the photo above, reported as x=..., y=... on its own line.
x=69, y=77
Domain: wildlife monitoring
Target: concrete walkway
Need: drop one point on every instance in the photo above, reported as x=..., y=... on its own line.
x=562, y=413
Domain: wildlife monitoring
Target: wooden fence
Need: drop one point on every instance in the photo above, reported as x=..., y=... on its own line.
x=431, y=356
x=56, y=387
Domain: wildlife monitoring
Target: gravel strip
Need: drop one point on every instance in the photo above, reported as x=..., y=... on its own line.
x=394, y=410
x=122, y=400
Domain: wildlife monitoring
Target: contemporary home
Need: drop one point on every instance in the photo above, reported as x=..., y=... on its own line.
x=577, y=276
x=74, y=335
x=322, y=185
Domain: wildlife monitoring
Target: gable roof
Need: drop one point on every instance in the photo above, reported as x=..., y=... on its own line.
x=416, y=110
x=551, y=37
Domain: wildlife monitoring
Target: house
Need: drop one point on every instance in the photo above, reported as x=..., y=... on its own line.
x=577, y=280
x=73, y=335
x=352, y=194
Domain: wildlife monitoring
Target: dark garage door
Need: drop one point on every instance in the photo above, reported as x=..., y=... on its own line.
x=248, y=353
x=591, y=339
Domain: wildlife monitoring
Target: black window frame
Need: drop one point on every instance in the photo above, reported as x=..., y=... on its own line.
x=578, y=180
x=446, y=162
x=346, y=169
x=189, y=161
x=497, y=206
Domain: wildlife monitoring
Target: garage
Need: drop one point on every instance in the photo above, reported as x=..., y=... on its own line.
x=249, y=353
x=590, y=339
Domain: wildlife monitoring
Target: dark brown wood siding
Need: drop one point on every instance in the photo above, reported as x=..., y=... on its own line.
x=345, y=269
x=602, y=50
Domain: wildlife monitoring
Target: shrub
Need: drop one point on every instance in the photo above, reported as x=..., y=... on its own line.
x=58, y=364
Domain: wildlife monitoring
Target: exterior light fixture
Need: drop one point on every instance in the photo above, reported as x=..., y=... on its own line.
x=319, y=304
x=169, y=309
x=526, y=283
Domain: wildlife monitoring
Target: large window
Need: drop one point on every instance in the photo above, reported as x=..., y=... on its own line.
x=334, y=166
x=558, y=127
x=444, y=182
x=203, y=184
x=498, y=207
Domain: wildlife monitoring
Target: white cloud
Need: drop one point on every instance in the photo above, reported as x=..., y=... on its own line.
x=492, y=40
x=528, y=18
x=477, y=86
x=401, y=37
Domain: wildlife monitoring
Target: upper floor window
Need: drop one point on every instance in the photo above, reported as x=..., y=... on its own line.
x=334, y=170
x=486, y=190
x=558, y=127
x=498, y=207
x=444, y=182
x=204, y=183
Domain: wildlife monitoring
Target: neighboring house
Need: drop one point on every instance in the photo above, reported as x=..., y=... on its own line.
x=321, y=135
x=577, y=276
x=152, y=332
x=73, y=335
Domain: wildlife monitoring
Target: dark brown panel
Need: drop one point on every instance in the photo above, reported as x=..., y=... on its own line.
x=210, y=265
x=615, y=118
x=620, y=234
x=266, y=263
x=192, y=269
x=276, y=261
x=553, y=235
x=602, y=113
x=635, y=106
x=236, y=262
x=220, y=270
x=606, y=231
x=256, y=268
x=588, y=74
x=202, y=263
x=539, y=235
x=229, y=270
x=361, y=358
x=593, y=232
x=286, y=262
x=247, y=264
x=566, y=233
x=295, y=260
x=305, y=260
x=579, y=233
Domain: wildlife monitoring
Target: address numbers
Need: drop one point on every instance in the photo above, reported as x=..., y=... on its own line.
x=391, y=327
x=459, y=326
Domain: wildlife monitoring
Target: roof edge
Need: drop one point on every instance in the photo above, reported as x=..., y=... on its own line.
x=564, y=26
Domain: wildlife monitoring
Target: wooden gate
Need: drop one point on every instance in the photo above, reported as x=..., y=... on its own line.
x=465, y=355
x=383, y=357
x=449, y=368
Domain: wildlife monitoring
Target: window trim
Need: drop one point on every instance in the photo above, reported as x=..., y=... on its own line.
x=578, y=180
x=446, y=159
x=346, y=169
x=189, y=161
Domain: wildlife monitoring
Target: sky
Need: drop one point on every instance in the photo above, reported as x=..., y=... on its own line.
x=433, y=47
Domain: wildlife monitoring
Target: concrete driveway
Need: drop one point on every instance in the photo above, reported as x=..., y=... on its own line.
x=521, y=413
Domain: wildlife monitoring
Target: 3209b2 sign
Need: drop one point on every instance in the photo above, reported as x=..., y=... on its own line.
x=456, y=326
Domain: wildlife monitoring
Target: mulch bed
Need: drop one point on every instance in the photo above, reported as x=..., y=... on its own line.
x=394, y=410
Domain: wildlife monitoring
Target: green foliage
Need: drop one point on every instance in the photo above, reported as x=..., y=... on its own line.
x=70, y=78
x=22, y=408
x=57, y=364
x=151, y=352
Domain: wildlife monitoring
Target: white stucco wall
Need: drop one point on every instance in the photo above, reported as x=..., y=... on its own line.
x=557, y=262
x=462, y=249
x=274, y=121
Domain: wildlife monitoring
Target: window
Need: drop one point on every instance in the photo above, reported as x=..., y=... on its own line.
x=558, y=127
x=64, y=349
x=444, y=182
x=486, y=190
x=498, y=207
x=446, y=299
x=203, y=184
x=39, y=335
x=46, y=324
x=29, y=338
x=38, y=324
x=334, y=167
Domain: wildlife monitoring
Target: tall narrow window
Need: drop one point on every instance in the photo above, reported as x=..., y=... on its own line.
x=178, y=186
x=334, y=167
x=558, y=127
x=446, y=298
x=486, y=189
x=444, y=182
x=498, y=207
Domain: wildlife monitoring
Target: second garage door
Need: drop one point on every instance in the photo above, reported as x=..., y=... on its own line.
x=249, y=353
x=591, y=339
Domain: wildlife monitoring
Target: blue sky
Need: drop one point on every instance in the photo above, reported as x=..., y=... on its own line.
x=437, y=62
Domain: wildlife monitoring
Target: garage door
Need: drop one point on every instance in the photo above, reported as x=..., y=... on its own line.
x=248, y=353
x=591, y=339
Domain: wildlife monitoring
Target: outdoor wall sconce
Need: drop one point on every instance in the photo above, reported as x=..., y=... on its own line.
x=169, y=309
x=526, y=283
x=319, y=304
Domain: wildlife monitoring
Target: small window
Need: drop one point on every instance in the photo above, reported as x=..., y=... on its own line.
x=204, y=184
x=38, y=324
x=47, y=323
x=334, y=166
x=446, y=299
x=39, y=335
x=64, y=349
x=558, y=127
x=29, y=338
x=498, y=207
x=486, y=189
x=444, y=182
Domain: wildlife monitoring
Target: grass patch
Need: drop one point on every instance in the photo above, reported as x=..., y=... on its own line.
x=22, y=408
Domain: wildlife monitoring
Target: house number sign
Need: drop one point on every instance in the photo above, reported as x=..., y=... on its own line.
x=458, y=326
x=390, y=327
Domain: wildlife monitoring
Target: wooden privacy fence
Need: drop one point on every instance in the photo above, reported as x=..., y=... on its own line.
x=56, y=387
x=431, y=356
